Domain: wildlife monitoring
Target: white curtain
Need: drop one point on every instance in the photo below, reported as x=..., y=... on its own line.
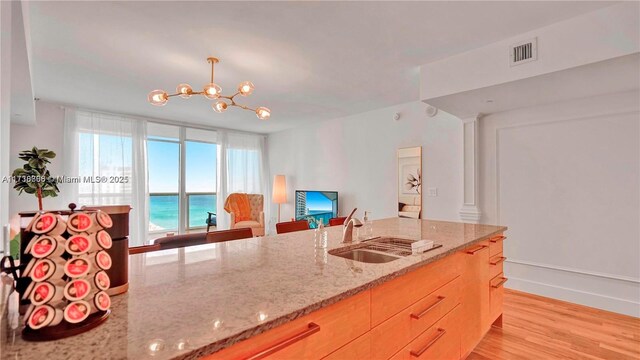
x=242, y=167
x=108, y=153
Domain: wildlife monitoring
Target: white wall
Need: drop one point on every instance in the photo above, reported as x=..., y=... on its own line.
x=356, y=156
x=565, y=179
x=48, y=132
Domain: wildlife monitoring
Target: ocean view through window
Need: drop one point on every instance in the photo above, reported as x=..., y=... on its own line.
x=168, y=169
x=163, y=210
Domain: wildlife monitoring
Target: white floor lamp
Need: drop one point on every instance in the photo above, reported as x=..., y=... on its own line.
x=279, y=191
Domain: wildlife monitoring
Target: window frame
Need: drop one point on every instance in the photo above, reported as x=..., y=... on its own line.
x=183, y=195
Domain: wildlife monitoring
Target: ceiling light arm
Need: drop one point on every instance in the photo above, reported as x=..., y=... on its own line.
x=242, y=106
x=191, y=93
x=230, y=97
x=234, y=103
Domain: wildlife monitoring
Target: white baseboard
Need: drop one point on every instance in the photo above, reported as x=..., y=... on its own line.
x=578, y=296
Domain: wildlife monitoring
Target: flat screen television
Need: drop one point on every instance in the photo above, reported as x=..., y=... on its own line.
x=316, y=206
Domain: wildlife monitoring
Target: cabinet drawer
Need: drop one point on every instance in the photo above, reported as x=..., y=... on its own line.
x=441, y=341
x=358, y=349
x=495, y=244
x=496, y=265
x=497, y=296
x=393, y=296
x=312, y=336
x=395, y=333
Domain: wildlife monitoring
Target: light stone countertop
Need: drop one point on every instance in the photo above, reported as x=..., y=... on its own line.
x=189, y=302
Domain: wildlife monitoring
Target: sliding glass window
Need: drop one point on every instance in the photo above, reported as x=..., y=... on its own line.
x=163, y=161
x=200, y=182
x=182, y=165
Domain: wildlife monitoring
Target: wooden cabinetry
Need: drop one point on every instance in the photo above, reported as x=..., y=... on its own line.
x=496, y=245
x=496, y=271
x=496, y=265
x=391, y=297
x=396, y=332
x=440, y=311
x=475, y=295
x=496, y=296
x=441, y=341
x=359, y=348
x=310, y=337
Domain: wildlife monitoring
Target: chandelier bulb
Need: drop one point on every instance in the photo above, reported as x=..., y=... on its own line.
x=184, y=91
x=263, y=113
x=158, y=97
x=212, y=91
x=219, y=106
x=246, y=88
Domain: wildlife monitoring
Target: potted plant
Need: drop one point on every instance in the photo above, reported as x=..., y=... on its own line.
x=34, y=177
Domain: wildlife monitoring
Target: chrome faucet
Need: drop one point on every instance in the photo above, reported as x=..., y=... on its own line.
x=349, y=223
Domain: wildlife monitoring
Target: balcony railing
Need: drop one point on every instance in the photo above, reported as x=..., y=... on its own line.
x=164, y=213
x=314, y=218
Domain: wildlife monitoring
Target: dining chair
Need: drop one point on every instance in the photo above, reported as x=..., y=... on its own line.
x=291, y=226
x=337, y=221
x=228, y=235
x=143, y=249
x=178, y=241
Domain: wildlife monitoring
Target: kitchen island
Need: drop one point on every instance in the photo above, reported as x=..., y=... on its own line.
x=280, y=296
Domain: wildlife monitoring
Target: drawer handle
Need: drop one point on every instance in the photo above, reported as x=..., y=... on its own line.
x=418, y=353
x=502, y=281
x=497, y=238
x=474, y=251
x=500, y=260
x=311, y=329
x=425, y=311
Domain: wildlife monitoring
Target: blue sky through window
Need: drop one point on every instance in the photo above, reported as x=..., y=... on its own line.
x=164, y=168
x=201, y=166
x=163, y=159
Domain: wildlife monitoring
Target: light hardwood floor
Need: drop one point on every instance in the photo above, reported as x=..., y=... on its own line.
x=536, y=327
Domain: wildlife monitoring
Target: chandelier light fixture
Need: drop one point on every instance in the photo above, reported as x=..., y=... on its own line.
x=214, y=92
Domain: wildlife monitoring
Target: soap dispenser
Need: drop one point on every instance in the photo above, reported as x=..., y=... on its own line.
x=368, y=225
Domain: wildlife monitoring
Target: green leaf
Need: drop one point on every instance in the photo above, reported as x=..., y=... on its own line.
x=36, y=161
x=49, y=193
x=47, y=154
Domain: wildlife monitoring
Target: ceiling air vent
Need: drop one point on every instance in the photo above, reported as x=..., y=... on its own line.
x=523, y=52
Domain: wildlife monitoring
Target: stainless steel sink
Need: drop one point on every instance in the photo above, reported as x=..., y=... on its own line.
x=365, y=256
x=377, y=250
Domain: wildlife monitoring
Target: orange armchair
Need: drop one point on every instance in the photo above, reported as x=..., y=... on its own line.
x=255, y=218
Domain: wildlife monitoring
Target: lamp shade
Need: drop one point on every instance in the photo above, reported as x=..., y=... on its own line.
x=279, y=189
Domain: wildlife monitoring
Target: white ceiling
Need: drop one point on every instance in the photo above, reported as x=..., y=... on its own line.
x=310, y=61
x=620, y=74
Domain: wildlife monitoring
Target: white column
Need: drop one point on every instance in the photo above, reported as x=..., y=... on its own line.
x=470, y=211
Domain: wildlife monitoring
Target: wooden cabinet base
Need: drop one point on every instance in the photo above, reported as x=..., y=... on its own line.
x=497, y=296
x=440, y=311
x=475, y=295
